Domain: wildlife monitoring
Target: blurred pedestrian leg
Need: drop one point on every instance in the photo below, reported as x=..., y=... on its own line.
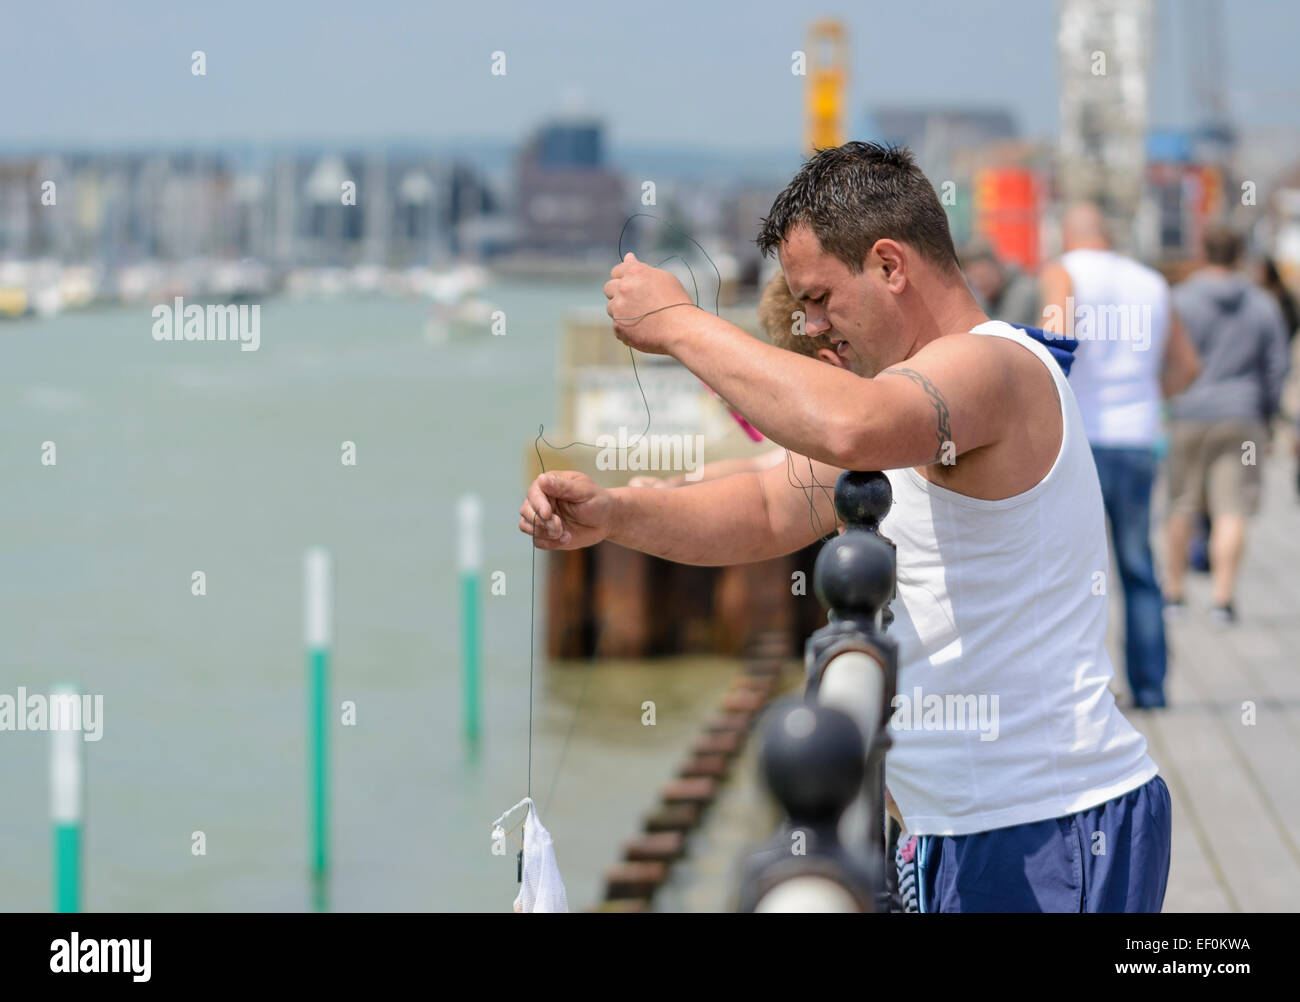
x=1126, y=476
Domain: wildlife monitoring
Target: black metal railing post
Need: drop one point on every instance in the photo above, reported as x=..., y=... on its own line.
x=850, y=662
x=852, y=666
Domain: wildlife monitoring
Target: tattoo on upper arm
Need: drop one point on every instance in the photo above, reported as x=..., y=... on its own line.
x=944, y=429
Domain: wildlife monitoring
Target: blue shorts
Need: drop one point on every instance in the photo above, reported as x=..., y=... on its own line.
x=1110, y=858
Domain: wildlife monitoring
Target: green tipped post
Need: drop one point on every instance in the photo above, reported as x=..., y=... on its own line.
x=66, y=798
x=470, y=519
x=317, y=635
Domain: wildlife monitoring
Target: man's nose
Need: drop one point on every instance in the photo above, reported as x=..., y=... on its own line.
x=815, y=321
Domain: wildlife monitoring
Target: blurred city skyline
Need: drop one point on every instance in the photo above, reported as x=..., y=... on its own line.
x=186, y=151
x=114, y=78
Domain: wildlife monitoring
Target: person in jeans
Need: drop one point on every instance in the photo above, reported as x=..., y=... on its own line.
x=1132, y=350
x=1220, y=426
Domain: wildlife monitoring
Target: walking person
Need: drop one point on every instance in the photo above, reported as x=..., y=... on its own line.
x=1220, y=427
x=1132, y=351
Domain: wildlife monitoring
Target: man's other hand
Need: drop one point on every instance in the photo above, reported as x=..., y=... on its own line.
x=567, y=510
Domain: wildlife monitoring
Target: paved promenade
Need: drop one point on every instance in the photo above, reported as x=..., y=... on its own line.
x=1234, y=781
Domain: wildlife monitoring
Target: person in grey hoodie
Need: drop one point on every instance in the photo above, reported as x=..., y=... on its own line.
x=1220, y=425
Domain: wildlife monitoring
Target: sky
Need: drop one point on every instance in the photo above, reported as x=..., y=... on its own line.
x=676, y=73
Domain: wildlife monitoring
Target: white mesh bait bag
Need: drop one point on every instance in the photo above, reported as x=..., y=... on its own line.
x=540, y=889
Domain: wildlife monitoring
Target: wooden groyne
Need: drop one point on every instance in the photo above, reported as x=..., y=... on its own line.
x=611, y=602
x=681, y=807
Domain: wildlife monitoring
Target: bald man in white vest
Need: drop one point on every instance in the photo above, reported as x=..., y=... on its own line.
x=1133, y=351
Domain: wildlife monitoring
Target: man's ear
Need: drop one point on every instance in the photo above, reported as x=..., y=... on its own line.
x=832, y=357
x=889, y=257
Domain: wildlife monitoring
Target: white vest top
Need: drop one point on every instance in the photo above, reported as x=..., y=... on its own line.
x=1121, y=319
x=1004, y=715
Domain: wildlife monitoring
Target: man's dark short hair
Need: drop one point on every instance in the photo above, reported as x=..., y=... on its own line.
x=855, y=194
x=1222, y=245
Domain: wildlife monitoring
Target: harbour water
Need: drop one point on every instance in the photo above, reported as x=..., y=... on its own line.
x=179, y=457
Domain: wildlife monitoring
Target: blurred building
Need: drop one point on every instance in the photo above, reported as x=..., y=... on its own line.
x=1183, y=195
x=570, y=202
x=20, y=206
x=290, y=208
x=743, y=211
x=1104, y=54
x=957, y=146
x=938, y=136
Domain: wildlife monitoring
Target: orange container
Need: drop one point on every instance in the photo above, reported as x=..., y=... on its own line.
x=1007, y=213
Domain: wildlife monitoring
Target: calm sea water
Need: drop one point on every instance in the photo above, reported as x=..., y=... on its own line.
x=173, y=458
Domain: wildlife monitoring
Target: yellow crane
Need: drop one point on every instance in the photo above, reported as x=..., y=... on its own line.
x=828, y=73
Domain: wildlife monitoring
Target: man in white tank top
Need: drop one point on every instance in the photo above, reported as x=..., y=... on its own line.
x=998, y=521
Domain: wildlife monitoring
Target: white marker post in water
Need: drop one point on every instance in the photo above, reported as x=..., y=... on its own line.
x=66, y=798
x=470, y=520
x=318, y=610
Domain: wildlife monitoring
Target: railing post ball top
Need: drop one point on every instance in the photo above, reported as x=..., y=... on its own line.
x=854, y=575
x=863, y=499
x=813, y=761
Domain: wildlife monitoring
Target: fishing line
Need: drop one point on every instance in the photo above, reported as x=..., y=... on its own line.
x=791, y=477
x=540, y=440
x=815, y=519
x=810, y=493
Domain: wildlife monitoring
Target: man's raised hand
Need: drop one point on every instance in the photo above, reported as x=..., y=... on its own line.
x=567, y=510
x=638, y=295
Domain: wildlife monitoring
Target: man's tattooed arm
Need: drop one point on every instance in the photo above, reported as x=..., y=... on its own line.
x=943, y=431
